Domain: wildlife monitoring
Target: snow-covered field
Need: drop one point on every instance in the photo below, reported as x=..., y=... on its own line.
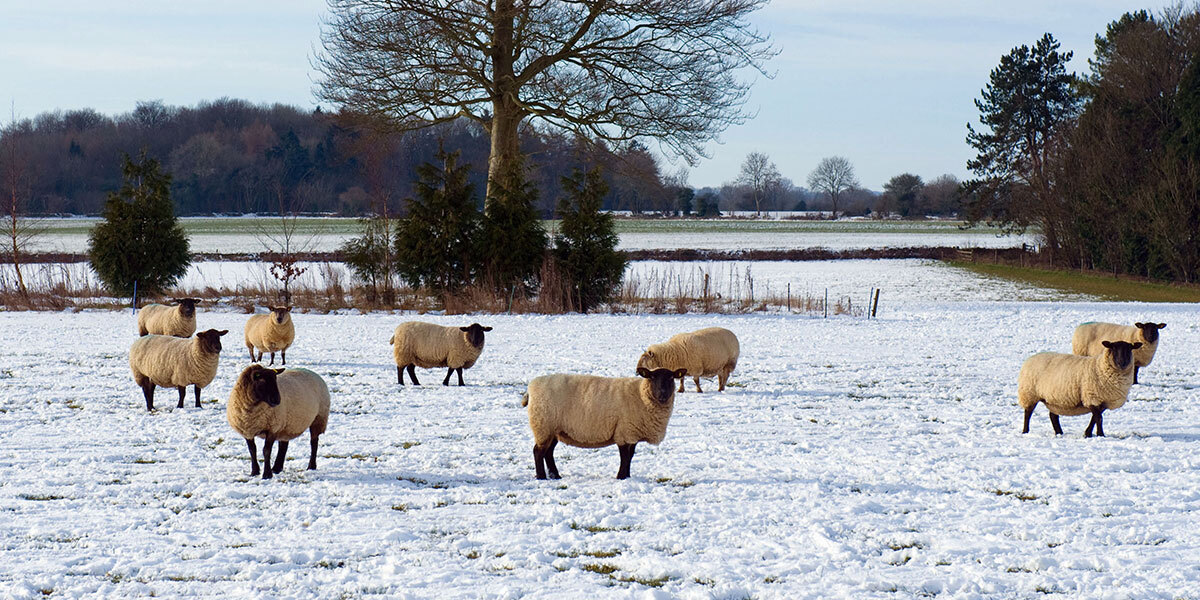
x=851, y=458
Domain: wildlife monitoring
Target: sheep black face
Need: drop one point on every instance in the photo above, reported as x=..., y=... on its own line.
x=280, y=313
x=263, y=385
x=1121, y=353
x=662, y=382
x=1150, y=330
x=210, y=340
x=187, y=306
x=475, y=334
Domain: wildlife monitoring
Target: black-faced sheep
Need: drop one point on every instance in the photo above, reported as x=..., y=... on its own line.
x=278, y=405
x=270, y=332
x=430, y=346
x=708, y=352
x=175, y=362
x=1088, y=337
x=592, y=412
x=159, y=319
x=1075, y=385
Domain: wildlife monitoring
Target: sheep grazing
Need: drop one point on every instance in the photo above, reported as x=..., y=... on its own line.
x=1075, y=385
x=270, y=332
x=704, y=353
x=175, y=362
x=159, y=319
x=429, y=346
x=592, y=412
x=1088, y=339
x=278, y=405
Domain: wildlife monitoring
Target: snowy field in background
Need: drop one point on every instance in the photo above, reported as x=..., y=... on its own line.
x=850, y=458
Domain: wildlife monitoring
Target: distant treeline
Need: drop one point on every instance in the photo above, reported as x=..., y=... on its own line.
x=231, y=156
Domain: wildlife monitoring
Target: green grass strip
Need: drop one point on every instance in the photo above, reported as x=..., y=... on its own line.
x=1102, y=286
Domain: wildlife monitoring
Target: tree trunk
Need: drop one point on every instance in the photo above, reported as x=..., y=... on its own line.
x=506, y=147
x=506, y=113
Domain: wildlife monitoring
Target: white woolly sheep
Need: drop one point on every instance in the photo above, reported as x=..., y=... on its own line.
x=278, y=405
x=1088, y=337
x=175, y=362
x=429, y=346
x=1076, y=385
x=708, y=352
x=159, y=319
x=592, y=412
x=270, y=332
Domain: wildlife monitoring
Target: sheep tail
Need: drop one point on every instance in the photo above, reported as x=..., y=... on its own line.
x=392, y=340
x=525, y=399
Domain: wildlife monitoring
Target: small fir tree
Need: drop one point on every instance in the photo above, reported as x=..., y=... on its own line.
x=367, y=256
x=436, y=242
x=586, y=247
x=140, y=240
x=513, y=242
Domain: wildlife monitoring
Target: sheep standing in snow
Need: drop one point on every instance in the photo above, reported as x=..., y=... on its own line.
x=159, y=319
x=430, y=346
x=1088, y=338
x=278, y=405
x=592, y=412
x=703, y=353
x=175, y=362
x=270, y=332
x=1075, y=385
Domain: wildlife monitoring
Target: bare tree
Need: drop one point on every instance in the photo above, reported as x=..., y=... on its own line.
x=834, y=175
x=612, y=70
x=760, y=177
x=14, y=178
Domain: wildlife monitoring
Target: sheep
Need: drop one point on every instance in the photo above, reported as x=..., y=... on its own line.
x=425, y=345
x=175, y=362
x=159, y=319
x=1087, y=338
x=702, y=353
x=1075, y=385
x=588, y=411
x=270, y=332
x=278, y=405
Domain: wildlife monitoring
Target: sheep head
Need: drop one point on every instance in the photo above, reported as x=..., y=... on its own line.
x=474, y=334
x=210, y=341
x=187, y=306
x=1121, y=353
x=1150, y=331
x=662, y=382
x=262, y=384
x=281, y=313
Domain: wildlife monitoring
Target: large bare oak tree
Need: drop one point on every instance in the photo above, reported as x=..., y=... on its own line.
x=612, y=70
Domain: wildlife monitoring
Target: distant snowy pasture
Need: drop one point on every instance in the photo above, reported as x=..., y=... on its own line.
x=850, y=458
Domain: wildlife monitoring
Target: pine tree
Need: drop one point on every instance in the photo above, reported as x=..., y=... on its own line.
x=140, y=241
x=367, y=256
x=586, y=246
x=513, y=242
x=436, y=242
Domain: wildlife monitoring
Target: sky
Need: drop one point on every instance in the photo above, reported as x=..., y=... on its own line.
x=889, y=85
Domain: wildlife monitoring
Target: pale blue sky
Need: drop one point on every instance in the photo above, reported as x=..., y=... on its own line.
x=888, y=85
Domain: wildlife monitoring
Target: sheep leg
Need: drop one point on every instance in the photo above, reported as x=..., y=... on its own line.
x=548, y=456
x=182, y=395
x=272, y=360
x=1135, y=372
x=1028, y=413
x=449, y=372
x=253, y=456
x=626, y=451
x=539, y=454
x=312, y=455
x=721, y=379
x=1054, y=422
x=412, y=373
x=266, y=471
x=148, y=392
x=698, y=390
x=460, y=381
x=196, y=389
x=279, y=457
x=283, y=357
x=251, y=349
x=680, y=390
x=1097, y=422
x=400, y=374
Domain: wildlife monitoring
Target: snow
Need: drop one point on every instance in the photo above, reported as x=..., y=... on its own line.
x=850, y=458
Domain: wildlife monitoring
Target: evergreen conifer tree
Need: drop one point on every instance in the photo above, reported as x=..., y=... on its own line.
x=513, y=242
x=586, y=246
x=140, y=240
x=436, y=242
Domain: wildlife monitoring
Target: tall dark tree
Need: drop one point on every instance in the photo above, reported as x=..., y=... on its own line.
x=902, y=191
x=436, y=243
x=586, y=246
x=513, y=242
x=1029, y=100
x=601, y=69
x=140, y=242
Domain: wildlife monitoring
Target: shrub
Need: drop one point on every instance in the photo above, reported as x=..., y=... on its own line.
x=436, y=243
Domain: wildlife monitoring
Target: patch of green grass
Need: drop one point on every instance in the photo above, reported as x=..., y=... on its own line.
x=597, y=528
x=1101, y=286
x=601, y=568
x=654, y=582
x=407, y=445
x=42, y=497
x=1018, y=495
x=400, y=507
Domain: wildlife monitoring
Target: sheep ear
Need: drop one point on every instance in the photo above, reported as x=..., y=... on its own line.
x=1139, y=325
x=680, y=373
x=649, y=354
x=1107, y=344
x=279, y=371
x=222, y=332
x=464, y=328
x=1162, y=325
x=1137, y=345
x=643, y=372
x=487, y=328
